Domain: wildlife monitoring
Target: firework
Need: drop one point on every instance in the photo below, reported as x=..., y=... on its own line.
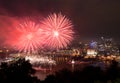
x=54, y=32
x=26, y=37
x=57, y=31
x=40, y=60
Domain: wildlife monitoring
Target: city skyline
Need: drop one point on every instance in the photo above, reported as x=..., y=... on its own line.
x=59, y=41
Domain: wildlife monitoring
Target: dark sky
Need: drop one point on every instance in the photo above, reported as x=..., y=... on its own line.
x=91, y=18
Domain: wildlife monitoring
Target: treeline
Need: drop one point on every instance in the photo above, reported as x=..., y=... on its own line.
x=21, y=71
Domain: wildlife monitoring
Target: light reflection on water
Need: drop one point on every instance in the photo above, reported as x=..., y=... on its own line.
x=42, y=74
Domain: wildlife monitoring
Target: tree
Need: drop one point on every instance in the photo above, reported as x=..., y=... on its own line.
x=17, y=71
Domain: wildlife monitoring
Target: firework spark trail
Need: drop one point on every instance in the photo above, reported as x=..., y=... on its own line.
x=29, y=37
x=57, y=30
x=54, y=32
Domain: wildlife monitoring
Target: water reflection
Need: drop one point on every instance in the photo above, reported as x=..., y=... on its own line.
x=42, y=74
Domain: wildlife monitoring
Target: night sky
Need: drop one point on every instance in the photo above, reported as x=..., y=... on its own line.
x=91, y=18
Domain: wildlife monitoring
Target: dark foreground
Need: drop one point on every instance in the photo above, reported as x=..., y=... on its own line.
x=21, y=71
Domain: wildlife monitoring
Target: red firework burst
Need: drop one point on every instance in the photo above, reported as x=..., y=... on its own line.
x=58, y=31
x=28, y=37
x=54, y=32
